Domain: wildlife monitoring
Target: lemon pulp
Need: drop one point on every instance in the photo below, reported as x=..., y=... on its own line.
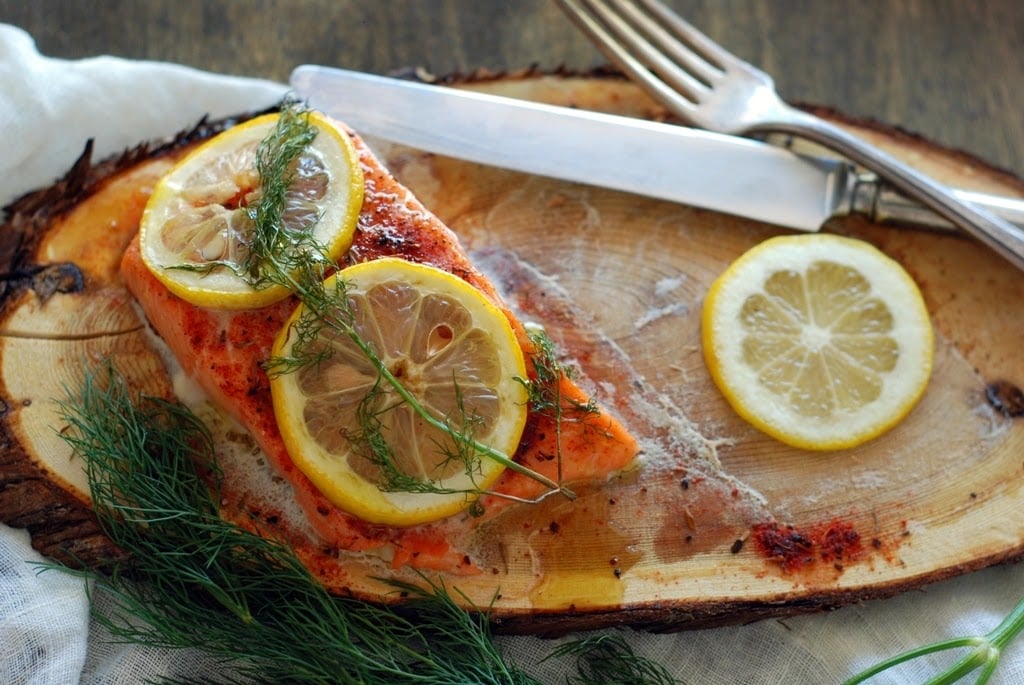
x=449, y=347
x=821, y=341
x=196, y=229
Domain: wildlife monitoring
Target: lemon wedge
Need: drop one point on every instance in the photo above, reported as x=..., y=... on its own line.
x=451, y=349
x=820, y=341
x=196, y=229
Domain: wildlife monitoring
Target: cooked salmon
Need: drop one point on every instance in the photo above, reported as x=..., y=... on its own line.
x=224, y=351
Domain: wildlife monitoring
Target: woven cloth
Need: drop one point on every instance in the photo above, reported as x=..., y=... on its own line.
x=48, y=109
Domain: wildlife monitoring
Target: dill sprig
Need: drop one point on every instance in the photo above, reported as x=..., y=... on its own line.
x=245, y=599
x=278, y=250
x=544, y=391
x=607, y=659
x=378, y=450
x=293, y=259
x=196, y=580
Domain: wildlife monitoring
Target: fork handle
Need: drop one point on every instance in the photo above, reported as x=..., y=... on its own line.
x=999, y=235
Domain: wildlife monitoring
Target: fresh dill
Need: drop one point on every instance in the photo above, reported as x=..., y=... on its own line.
x=379, y=451
x=293, y=259
x=196, y=580
x=607, y=659
x=278, y=251
x=274, y=252
x=242, y=597
x=544, y=390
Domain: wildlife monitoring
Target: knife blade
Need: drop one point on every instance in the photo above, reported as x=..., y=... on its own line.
x=699, y=168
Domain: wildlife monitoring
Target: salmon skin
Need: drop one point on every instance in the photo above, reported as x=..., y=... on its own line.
x=224, y=353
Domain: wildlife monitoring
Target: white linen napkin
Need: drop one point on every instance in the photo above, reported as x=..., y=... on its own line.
x=48, y=109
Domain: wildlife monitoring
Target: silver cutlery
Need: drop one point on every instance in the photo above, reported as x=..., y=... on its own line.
x=709, y=87
x=766, y=182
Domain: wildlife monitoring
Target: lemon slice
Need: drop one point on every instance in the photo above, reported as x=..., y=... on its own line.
x=197, y=215
x=820, y=341
x=450, y=348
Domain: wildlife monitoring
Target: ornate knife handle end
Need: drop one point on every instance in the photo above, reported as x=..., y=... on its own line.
x=880, y=202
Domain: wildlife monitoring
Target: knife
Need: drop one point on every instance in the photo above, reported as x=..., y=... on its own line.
x=727, y=174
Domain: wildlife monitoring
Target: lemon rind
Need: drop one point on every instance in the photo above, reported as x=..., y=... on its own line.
x=351, y=492
x=737, y=382
x=222, y=289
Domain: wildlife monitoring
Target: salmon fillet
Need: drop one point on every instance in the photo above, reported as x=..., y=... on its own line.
x=223, y=351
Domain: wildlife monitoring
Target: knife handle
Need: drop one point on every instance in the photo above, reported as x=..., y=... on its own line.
x=883, y=203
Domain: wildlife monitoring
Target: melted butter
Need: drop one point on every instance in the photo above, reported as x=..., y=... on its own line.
x=586, y=553
x=577, y=552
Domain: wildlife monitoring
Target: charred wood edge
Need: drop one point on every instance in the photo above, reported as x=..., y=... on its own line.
x=45, y=280
x=484, y=75
x=62, y=526
x=26, y=219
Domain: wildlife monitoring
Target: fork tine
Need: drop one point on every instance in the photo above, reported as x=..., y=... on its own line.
x=637, y=38
x=670, y=42
x=690, y=34
x=614, y=50
x=741, y=99
x=624, y=46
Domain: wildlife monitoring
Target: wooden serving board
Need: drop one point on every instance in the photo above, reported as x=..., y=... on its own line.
x=719, y=523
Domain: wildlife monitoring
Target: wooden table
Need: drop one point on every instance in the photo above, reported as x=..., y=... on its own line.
x=950, y=70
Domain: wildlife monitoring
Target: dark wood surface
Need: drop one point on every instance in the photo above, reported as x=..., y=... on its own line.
x=950, y=70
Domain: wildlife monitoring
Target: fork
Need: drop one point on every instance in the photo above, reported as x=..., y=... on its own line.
x=709, y=87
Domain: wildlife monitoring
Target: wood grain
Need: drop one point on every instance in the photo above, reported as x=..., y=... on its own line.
x=686, y=540
x=948, y=69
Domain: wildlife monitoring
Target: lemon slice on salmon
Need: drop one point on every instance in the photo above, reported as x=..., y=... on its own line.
x=197, y=228
x=821, y=341
x=358, y=440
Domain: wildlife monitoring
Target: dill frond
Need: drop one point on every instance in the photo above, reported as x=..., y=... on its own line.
x=245, y=599
x=451, y=450
x=544, y=390
x=607, y=659
x=293, y=259
x=280, y=254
